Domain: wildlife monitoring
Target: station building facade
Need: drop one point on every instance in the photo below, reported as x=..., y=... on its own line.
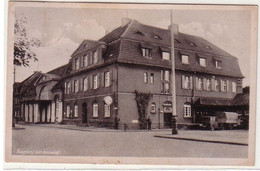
x=104, y=77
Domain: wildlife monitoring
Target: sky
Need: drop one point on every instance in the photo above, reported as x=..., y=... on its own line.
x=61, y=30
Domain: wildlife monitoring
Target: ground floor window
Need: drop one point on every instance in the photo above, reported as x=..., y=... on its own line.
x=107, y=110
x=187, y=110
x=68, y=111
x=95, y=110
x=76, y=111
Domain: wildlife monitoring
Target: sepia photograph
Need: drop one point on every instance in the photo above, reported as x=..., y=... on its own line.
x=111, y=83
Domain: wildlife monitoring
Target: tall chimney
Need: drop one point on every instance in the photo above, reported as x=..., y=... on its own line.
x=175, y=28
x=125, y=21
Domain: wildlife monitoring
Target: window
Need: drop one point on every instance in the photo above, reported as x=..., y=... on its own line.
x=166, y=56
x=95, y=57
x=185, y=59
x=234, y=87
x=68, y=111
x=186, y=82
x=68, y=87
x=187, y=110
x=95, y=81
x=218, y=64
x=107, y=110
x=145, y=77
x=223, y=86
x=146, y=52
x=200, y=84
x=76, y=111
x=85, y=84
x=85, y=60
x=216, y=85
x=76, y=86
x=77, y=63
x=208, y=84
x=167, y=75
x=152, y=78
x=153, y=108
x=202, y=62
x=65, y=89
x=95, y=110
x=107, y=79
x=167, y=88
x=192, y=44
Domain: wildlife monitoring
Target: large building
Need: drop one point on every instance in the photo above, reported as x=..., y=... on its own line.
x=127, y=73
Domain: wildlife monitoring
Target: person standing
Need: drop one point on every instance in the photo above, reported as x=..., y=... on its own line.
x=116, y=122
x=149, y=123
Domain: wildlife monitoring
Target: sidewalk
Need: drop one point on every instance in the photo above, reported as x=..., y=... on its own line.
x=89, y=128
x=233, y=137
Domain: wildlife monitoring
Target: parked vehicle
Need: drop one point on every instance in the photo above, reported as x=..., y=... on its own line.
x=222, y=120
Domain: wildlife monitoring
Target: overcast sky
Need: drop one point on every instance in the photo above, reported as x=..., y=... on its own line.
x=61, y=30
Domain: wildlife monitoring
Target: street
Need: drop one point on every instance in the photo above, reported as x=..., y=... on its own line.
x=36, y=140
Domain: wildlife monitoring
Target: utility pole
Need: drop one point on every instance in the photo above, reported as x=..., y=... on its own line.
x=174, y=115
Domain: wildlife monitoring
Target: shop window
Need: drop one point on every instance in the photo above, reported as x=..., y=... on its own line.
x=95, y=110
x=153, y=108
x=76, y=111
x=187, y=110
x=107, y=110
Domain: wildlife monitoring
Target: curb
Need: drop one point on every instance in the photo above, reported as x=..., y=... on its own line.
x=201, y=140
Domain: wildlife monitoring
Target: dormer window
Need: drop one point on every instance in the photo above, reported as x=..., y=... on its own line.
x=76, y=63
x=157, y=37
x=166, y=56
x=185, y=59
x=140, y=33
x=202, y=62
x=86, y=45
x=176, y=41
x=218, y=64
x=192, y=44
x=147, y=52
x=208, y=47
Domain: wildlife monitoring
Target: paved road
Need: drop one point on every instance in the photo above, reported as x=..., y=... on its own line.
x=36, y=140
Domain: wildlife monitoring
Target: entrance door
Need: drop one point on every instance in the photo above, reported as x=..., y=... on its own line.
x=84, y=113
x=167, y=120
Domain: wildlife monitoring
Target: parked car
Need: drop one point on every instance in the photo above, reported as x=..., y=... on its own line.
x=222, y=120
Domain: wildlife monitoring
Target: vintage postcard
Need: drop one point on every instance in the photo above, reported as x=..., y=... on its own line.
x=111, y=83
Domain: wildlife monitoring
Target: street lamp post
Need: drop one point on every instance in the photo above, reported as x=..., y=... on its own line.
x=173, y=29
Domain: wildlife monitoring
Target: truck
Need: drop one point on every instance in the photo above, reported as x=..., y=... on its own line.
x=222, y=120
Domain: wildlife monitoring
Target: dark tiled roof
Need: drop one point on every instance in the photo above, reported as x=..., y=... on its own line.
x=58, y=71
x=58, y=86
x=27, y=86
x=242, y=99
x=114, y=35
x=86, y=45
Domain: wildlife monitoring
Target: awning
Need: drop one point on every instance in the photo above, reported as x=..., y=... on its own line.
x=213, y=102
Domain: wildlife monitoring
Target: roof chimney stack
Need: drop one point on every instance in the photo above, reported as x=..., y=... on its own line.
x=175, y=28
x=125, y=21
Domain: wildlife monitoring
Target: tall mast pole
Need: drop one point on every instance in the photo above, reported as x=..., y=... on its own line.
x=174, y=115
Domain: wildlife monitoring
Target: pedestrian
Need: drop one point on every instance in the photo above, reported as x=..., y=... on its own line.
x=149, y=123
x=125, y=126
x=116, y=122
